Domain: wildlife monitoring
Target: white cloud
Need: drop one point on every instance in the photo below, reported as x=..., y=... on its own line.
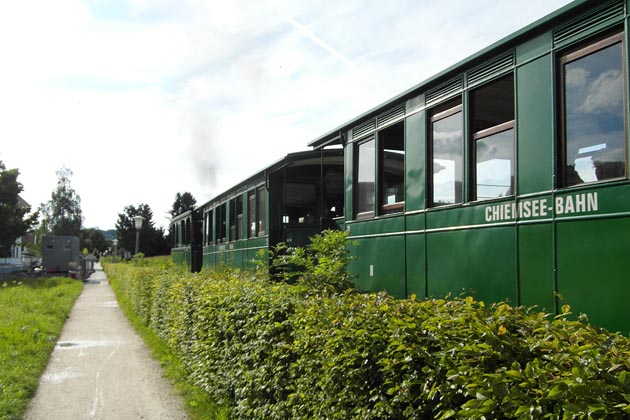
x=605, y=94
x=206, y=93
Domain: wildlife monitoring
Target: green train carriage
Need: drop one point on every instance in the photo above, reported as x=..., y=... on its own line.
x=504, y=176
x=288, y=201
x=185, y=232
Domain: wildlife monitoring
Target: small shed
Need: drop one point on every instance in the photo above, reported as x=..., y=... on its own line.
x=60, y=254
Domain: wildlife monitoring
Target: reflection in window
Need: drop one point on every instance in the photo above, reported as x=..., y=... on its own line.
x=236, y=218
x=251, y=214
x=392, y=160
x=261, y=211
x=447, y=146
x=366, y=177
x=492, y=122
x=594, y=131
x=495, y=157
x=221, y=223
x=209, y=230
x=239, y=217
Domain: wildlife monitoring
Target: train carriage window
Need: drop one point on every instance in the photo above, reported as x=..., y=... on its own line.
x=221, y=223
x=204, y=229
x=334, y=191
x=209, y=230
x=261, y=211
x=447, y=151
x=366, y=178
x=251, y=214
x=239, y=217
x=236, y=218
x=593, y=144
x=392, y=168
x=492, y=127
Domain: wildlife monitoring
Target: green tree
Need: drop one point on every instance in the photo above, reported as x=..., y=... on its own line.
x=14, y=218
x=94, y=240
x=62, y=214
x=152, y=240
x=183, y=203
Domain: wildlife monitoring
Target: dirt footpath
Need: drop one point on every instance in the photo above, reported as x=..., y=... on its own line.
x=101, y=369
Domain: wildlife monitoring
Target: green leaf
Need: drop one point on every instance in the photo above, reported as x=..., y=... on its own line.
x=558, y=390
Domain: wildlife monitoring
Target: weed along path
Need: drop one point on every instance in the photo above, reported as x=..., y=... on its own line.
x=101, y=369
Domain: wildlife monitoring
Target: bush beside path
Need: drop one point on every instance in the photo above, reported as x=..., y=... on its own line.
x=272, y=350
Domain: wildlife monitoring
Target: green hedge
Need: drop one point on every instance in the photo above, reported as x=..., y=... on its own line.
x=278, y=351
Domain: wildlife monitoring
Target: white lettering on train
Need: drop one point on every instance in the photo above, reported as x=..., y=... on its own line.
x=540, y=207
x=580, y=203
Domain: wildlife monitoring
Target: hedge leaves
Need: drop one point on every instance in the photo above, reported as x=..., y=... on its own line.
x=277, y=351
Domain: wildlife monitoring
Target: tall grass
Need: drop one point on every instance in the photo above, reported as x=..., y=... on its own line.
x=32, y=313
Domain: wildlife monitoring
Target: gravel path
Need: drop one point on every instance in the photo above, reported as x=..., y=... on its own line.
x=101, y=369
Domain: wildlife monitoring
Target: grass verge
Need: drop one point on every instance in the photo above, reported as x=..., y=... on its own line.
x=32, y=314
x=197, y=402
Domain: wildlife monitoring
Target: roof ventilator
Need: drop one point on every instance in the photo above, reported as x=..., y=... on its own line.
x=449, y=88
x=608, y=14
x=491, y=68
x=363, y=129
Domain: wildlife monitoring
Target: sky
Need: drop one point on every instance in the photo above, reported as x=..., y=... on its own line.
x=142, y=99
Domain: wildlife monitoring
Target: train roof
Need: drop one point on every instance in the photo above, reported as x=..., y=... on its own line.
x=180, y=217
x=530, y=31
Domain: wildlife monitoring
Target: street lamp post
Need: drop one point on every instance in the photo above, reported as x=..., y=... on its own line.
x=115, y=242
x=137, y=220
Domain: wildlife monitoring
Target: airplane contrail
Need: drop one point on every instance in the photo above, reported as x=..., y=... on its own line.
x=356, y=69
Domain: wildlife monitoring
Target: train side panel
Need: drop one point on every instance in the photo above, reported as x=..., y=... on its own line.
x=554, y=230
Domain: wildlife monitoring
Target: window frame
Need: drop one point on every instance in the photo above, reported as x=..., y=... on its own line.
x=236, y=218
x=221, y=223
x=378, y=207
x=432, y=119
x=384, y=209
x=583, y=49
x=475, y=136
x=251, y=214
x=360, y=215
x=261, y=212
x=209, y=231
x=188, y=232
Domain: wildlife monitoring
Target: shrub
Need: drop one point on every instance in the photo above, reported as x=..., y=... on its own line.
x=275, y=350
x=321, y=265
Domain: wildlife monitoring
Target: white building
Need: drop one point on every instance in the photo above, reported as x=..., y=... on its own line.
x=18, y=250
